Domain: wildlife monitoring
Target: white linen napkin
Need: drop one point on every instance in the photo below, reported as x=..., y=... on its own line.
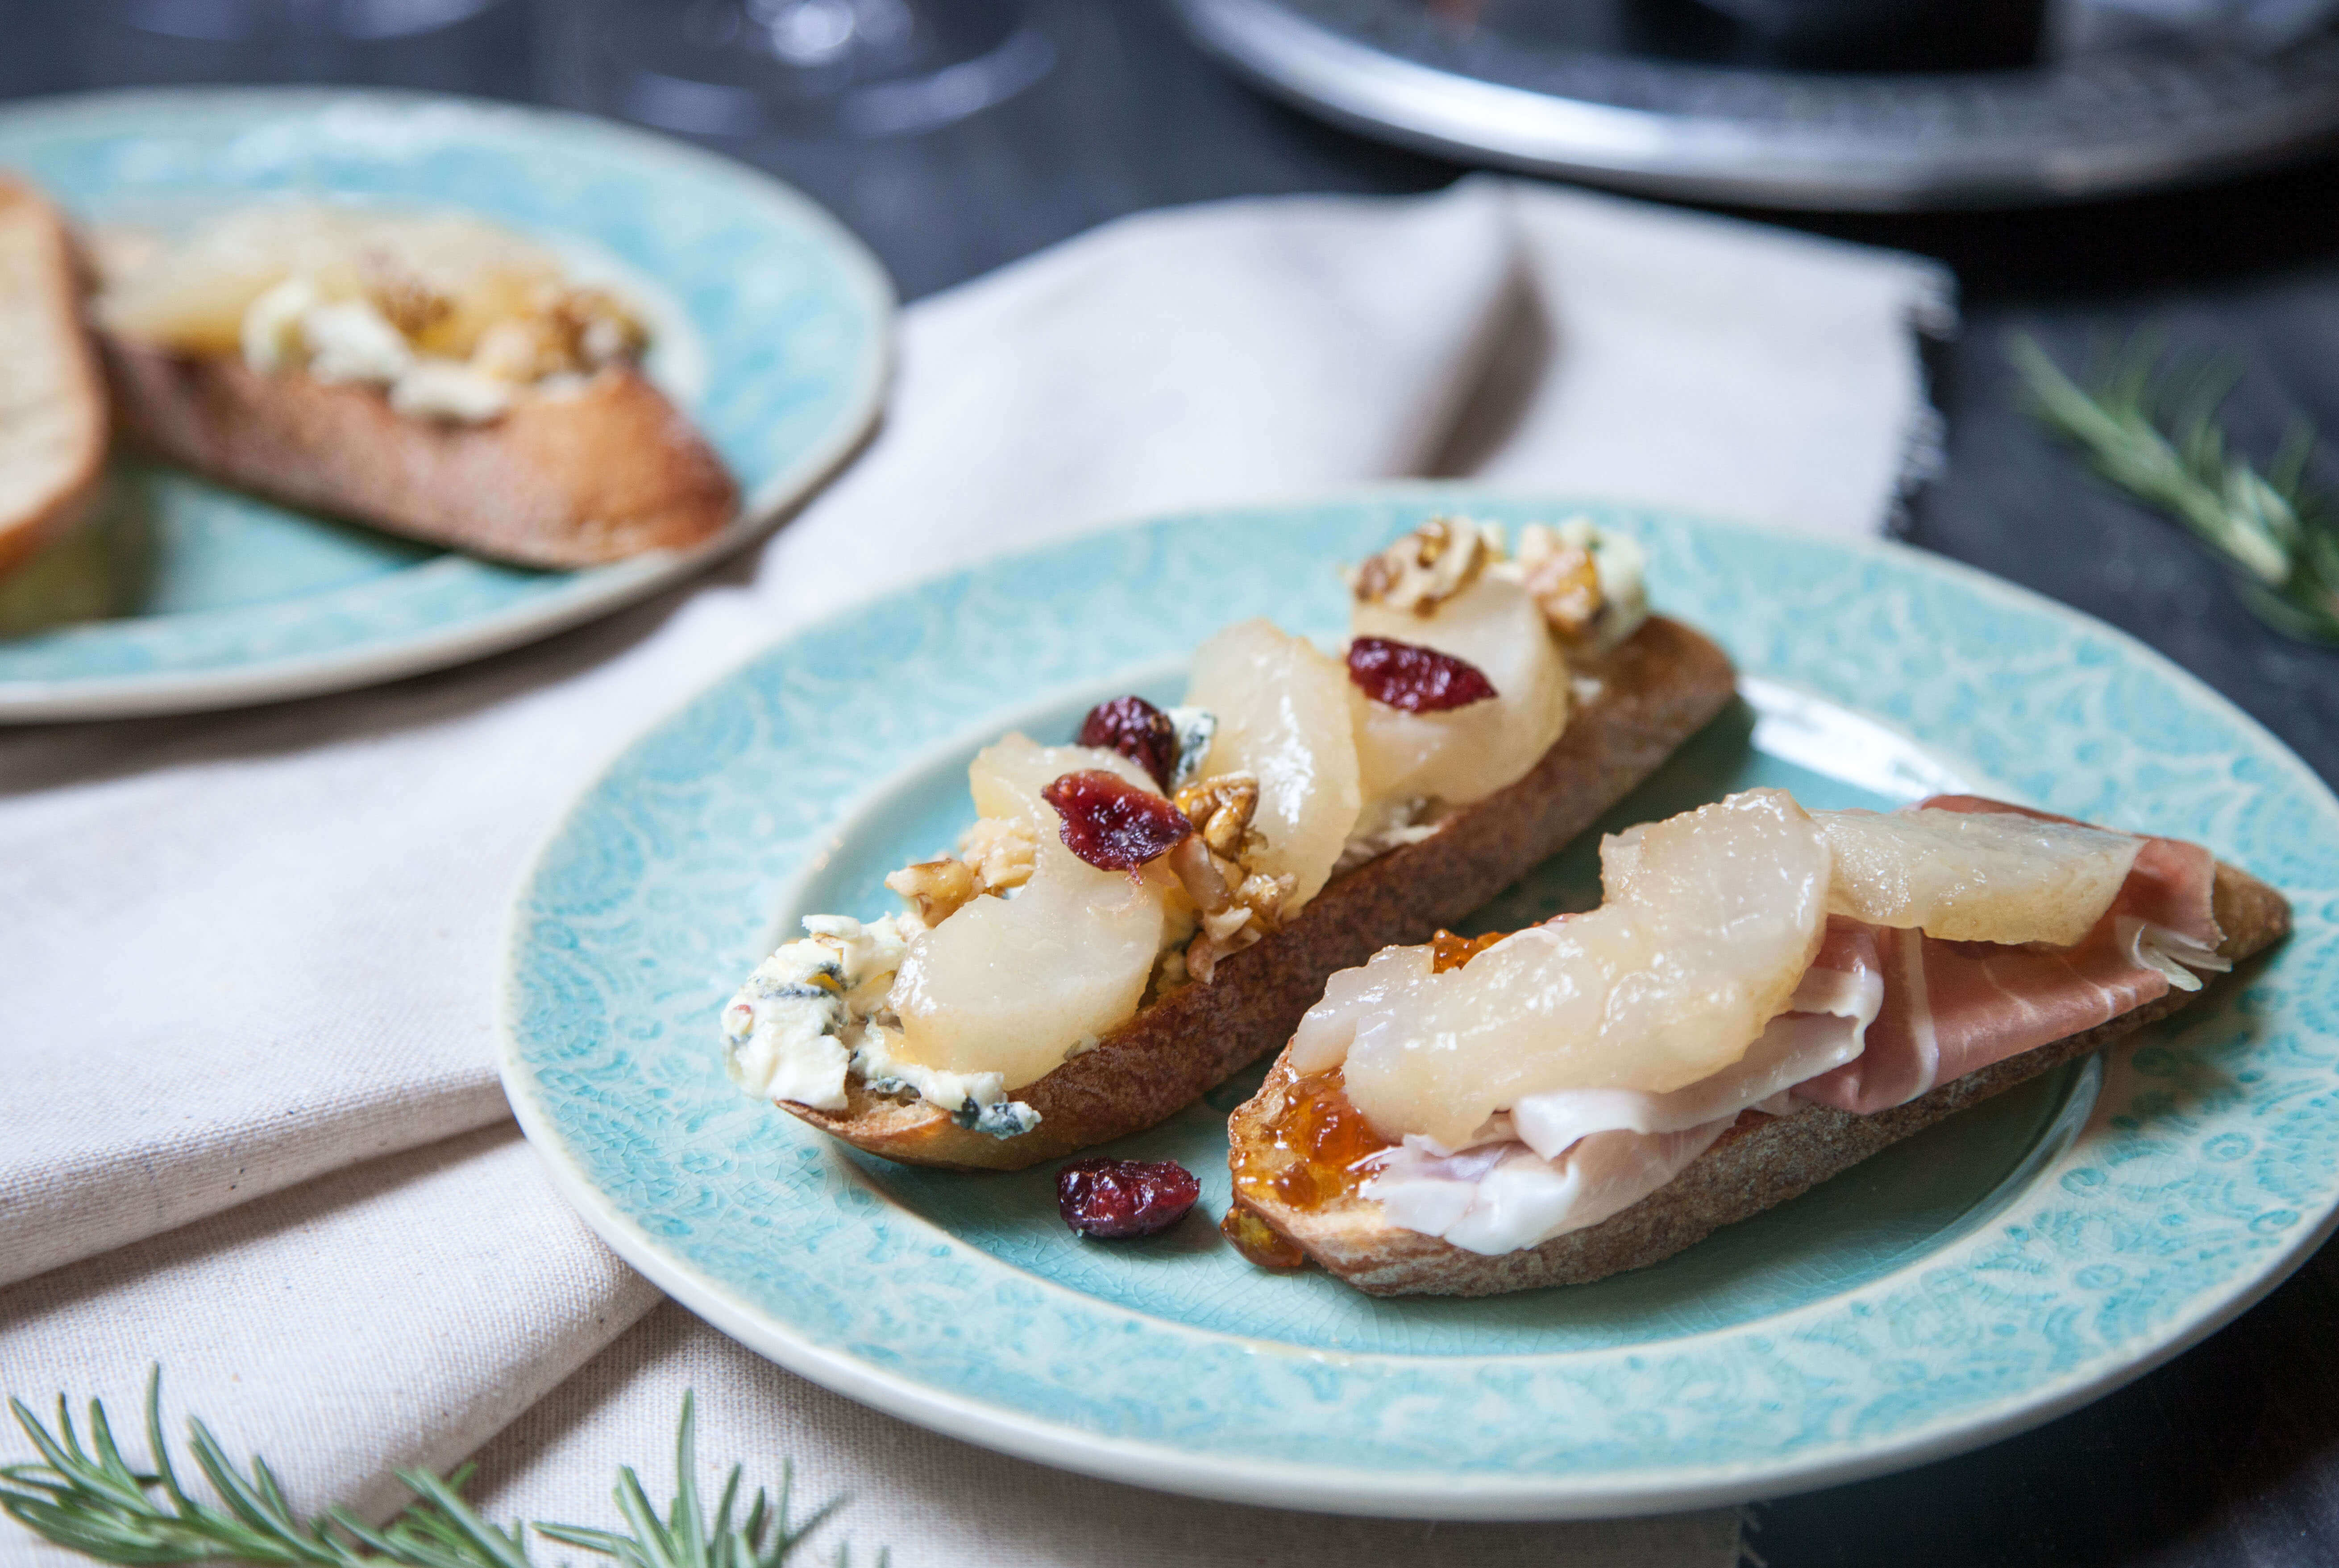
x=251, y=957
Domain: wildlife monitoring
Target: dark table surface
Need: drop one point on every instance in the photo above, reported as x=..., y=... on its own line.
x=2227, y=1456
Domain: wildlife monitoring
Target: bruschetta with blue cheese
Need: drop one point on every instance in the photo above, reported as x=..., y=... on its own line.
x=427, y=373
x=1138, y=914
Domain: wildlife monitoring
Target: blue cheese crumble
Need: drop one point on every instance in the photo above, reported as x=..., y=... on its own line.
x=1195, y=729
x=815, y=1015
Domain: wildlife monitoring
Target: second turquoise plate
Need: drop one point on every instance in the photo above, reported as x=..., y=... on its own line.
x=773, y=327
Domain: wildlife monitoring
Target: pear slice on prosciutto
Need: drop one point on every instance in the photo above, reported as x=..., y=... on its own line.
x=1994, y=876
x=1711, y=921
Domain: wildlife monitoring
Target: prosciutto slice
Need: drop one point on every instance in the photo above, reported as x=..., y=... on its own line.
x=1504, y=1196
x=1951, y=1007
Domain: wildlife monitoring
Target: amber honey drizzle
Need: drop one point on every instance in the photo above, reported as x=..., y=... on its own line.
x=1318, y=1146
x=1260, y=1242
x=1314, y=1149
x=1450, y=952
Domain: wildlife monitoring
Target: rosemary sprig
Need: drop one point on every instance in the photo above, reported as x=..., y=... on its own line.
x=2154, y=432
x=88, y=1498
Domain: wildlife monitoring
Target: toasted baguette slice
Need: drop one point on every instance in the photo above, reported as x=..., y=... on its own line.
x=1658, y=688
x=569, y=479
x=53, y=415
x=1762, y=1161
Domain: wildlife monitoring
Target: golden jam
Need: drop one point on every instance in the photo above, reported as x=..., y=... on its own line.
x=1319, y=1146
x=1314, y=1147
x=1260, y=1242
x=1450, y=952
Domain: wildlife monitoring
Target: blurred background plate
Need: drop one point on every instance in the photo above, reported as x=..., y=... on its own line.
x=772, y=327
x=1999, y=1268
x=1883, y=104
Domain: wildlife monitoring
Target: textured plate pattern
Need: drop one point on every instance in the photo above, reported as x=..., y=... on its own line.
x=773, y=325
x=2095, y=1244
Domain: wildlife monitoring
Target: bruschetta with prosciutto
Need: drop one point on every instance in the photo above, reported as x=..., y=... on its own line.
x=1766, y=997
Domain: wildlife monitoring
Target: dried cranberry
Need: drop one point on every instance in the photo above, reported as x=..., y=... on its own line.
x=1111, y=823
x=1417, y=679
x=1138, y=731
x=1118, y=1198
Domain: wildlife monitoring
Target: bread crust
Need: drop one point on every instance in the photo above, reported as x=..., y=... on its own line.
x=51, y=390
x=1760, y=1162
x=573, y=477
x=1658, y=688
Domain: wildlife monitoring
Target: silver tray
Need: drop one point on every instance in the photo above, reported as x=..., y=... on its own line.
x=2093, y=125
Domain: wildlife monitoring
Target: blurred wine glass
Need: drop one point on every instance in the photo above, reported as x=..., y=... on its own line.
x=249, y=19
x=458, y=45
x=799, y=69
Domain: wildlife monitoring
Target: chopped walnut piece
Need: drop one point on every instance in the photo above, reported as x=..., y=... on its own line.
x=557, y=333
x=1235, y=906
x=405, y=300
x=1169, y=974
x=1220, y=808
x=1563, y=578
x=1000, y=850
x=1427, y=567
x=935, y=888
x=521, y=351
x=1236, y=932
x=1264, y=897
x=1198, y=871
x=1221, y=928
x=1257, y=912
x=598, y=326
x=993, y=855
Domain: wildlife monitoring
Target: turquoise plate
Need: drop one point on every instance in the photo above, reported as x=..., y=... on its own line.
x=2002, y=1268
x=772, y=325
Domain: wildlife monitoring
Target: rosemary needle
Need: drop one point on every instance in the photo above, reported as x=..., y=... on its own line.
x=89, y=1499
x=2152, y=430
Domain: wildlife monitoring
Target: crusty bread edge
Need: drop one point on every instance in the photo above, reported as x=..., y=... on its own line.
x=1761, y=1162
x=1657, y=688
x=21, y=537
x=608, y=470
